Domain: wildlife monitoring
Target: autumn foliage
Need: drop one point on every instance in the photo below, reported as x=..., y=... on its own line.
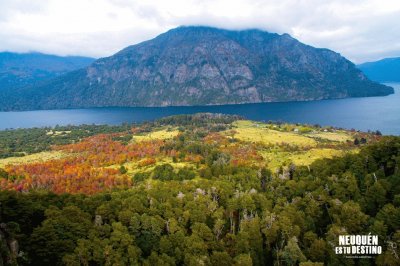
x=86, y=169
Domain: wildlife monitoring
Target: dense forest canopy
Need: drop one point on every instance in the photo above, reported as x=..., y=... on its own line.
x=199, y=190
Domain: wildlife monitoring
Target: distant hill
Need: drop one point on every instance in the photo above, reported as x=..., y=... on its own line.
x=19, y=70
x=203, y=66
x=384, y=70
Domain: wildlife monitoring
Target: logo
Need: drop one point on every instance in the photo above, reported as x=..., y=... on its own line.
x=363, y=245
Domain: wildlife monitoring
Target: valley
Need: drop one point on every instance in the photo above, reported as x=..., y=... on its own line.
x=206, y=189
x=117, y=157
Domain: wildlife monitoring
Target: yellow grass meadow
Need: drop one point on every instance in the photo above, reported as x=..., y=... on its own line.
x=257, y=132
x=31, y=158
x=160, y=134
x=309, y=148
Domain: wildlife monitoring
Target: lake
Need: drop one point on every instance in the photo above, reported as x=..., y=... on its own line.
x=371, y=113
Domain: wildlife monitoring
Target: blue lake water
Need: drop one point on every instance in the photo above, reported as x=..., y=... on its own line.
x=371, y=113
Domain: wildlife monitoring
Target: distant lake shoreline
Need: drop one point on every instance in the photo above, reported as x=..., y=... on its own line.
x=369, y=113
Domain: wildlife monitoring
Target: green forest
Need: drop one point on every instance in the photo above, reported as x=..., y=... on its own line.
x=196, y=190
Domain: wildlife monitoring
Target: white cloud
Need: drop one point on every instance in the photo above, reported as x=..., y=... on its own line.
x=361, y=30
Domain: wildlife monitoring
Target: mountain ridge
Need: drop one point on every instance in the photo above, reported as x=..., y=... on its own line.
x=384, y=70
x=23, y=69
x=197, y=65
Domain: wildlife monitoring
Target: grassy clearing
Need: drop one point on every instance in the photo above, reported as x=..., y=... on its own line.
x=57, y=133
x=310, y=156
x=37, y=157
x=257, y=132
x=332, y=136
x=135, y=166
x=160, y=134
x=277, y=158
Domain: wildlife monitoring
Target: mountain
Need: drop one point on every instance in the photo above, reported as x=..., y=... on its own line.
x=202, y=66
x=19, y=70
x=384, y=70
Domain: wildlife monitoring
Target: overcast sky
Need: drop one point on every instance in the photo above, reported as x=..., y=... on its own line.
x=361, y=30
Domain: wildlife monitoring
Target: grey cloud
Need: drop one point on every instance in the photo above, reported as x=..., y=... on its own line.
x=9, y=8
x=352, y=28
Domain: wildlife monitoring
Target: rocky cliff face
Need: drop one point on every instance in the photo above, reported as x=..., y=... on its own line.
x=201, y=66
